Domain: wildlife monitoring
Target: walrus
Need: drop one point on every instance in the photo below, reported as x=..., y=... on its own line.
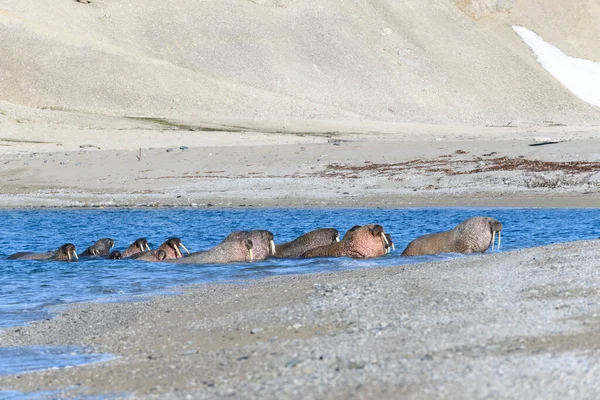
x=473, y=235
x=153, y=256
x=229, y=251
x=101, y=248
x=263, y=245
x=366, y=241
x=115, y=255
x=66, y=252
x=138, y=246
x=307, y=241
x=170, y=247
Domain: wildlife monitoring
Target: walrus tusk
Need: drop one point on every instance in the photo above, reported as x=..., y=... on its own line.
x=499, y=234
x=272, y=244
x=178, y=253
x=186, y=250
x=147, y=247
x=385, y=239
x=75, y=255
x=69, y=254
x=493, y=239
x=337, y=238
x=393, y=247
x=250, y=254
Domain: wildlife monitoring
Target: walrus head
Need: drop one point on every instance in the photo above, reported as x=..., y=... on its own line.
x=366, y=241
x=140, y=245
x=161, y=255
x=115, y=255
x=495, y=226
x=66, y=252
x=171, y=248
x=100, y=248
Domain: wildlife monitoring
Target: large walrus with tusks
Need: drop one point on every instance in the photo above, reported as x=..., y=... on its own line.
x=366, y=241
x=169, y=250
x=138, y=246
x=308, y=241
x=263, y=245
x=475, y=235
x=100, y=249
x=229, y=251
x=66, y=252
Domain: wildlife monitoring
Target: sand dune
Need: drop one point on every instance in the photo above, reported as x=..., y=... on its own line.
x=412, y=61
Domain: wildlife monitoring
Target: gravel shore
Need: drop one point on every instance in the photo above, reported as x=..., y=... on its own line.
x=520, y=324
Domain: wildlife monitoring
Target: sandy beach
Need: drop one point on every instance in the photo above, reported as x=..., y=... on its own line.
x=511, y=325
x=125, y=162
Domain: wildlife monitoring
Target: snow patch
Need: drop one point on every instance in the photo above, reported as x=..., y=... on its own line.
x=582, y=77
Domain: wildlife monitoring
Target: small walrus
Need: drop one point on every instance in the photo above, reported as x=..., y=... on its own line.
x=474, y=235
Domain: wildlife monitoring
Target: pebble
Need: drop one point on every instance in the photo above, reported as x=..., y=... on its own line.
x=256, y=331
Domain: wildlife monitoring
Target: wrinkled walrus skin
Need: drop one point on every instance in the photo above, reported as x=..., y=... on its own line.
x=229, y=251
x=366, y=241
x=306, y=242
x=473, y=235
x=263, y=245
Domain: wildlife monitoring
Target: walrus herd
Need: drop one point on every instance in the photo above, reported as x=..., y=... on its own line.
x=369, y=241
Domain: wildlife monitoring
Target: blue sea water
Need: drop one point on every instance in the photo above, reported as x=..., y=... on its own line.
x=29, y=289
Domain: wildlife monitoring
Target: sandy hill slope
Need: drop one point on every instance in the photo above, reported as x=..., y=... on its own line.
x=435, y=61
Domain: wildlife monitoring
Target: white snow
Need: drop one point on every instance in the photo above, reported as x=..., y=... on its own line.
x=582, y=77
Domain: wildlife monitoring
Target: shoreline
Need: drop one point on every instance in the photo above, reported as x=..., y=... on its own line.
x=323, y=334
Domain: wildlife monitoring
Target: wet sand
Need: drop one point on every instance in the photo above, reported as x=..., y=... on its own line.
x=509, y=325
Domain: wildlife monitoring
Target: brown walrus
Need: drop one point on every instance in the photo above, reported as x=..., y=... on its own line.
x=138, y=246
x=229, y=251
x=366, y=241
x=170, y=248
x=66, y=252
x=308, y=241
x=101, y=248
x=263, y=245
x=471, y=236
